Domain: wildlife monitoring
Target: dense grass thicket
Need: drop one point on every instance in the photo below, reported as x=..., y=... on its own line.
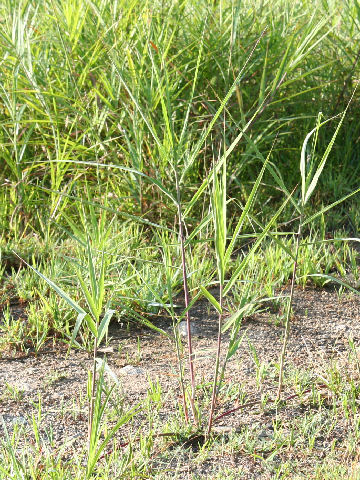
x=155, y=152
x=112, y=112
x=137, y=85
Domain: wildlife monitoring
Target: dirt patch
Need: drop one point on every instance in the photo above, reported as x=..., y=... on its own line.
x=322, y=325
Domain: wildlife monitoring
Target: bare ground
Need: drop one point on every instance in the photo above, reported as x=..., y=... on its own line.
x=319, y=344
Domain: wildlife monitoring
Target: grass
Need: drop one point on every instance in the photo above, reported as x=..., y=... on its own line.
x=152, y=153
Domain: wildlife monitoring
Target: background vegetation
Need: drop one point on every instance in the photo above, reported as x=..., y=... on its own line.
x=136, y=86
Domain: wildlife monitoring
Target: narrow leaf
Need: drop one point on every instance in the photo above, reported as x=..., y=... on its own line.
x=57, y=289
x=329, y=207
x=211, y=299
x=90, y=301
x=330, y=278
x=104, y=324
x=254, y=248
x=78, y=323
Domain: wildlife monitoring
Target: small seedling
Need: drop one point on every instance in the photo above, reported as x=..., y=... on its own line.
x=13, y=392
x=55, y=376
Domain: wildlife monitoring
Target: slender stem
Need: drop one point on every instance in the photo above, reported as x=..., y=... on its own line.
x=181, y=375
x=168, y=263
x=93, y=387
x=217, y=363
x=288, y=313
x=187, y=301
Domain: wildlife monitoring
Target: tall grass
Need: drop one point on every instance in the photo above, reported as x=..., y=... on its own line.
x=94, y=83
x=157, y=139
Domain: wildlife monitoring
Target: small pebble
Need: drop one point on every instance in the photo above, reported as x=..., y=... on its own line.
x=131, y=370
x=14, y=420
x=182, y=327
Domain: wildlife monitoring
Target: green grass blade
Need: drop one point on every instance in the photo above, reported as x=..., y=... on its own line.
x=93, y=281
x=152, y=180
x=206, y=132
x=77, y=326
x=104, y=324
x=329, y=207
x=211, y=299
x=321, y=166
x=57, y=289
x=258, y=242
x=245, y=212
x=122, y=421
x=89, y=298
x=330, y=278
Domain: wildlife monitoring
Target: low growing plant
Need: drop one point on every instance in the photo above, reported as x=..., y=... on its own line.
x=98, y=326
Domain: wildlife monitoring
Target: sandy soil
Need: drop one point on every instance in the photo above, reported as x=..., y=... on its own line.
x=322, y=324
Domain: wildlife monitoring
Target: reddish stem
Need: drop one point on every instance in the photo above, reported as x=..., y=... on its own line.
x=187, y=302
